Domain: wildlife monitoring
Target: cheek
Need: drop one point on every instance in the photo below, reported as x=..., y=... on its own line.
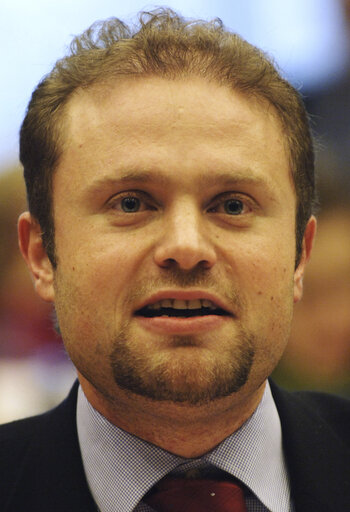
x=87, y=321
x=264, y=274
x=267, y=285
x=264, y=268
x=98, y=257
x=93, y=280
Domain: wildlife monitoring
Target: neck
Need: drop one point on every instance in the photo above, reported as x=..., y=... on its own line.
x=185, y=430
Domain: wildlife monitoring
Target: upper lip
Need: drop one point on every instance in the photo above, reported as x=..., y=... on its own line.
x=185, y=295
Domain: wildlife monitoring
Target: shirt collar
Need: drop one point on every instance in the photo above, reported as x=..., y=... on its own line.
x=254, y=455
x=120, y=468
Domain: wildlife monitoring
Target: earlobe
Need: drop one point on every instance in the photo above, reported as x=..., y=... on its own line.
x=308, y=240
x=34, y=253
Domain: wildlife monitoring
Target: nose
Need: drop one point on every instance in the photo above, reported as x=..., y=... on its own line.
x=184, y=241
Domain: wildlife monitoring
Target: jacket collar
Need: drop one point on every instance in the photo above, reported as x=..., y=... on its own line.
x=51, y=476
x=315, y=441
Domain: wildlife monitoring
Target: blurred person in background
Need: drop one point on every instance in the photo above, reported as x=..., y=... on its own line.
x=330, y=109
x=318, y=353
x=30, y=350
x=171, y=192
x=25, y=320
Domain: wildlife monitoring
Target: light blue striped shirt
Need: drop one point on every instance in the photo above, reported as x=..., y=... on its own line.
x=121, y=468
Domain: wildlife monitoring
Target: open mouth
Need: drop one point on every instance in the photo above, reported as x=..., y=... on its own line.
x=181, y=308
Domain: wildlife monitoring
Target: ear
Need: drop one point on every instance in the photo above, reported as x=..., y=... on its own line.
x=32, y=249
x=309, y=236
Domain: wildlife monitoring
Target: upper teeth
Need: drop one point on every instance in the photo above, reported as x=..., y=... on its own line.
x=183, y=304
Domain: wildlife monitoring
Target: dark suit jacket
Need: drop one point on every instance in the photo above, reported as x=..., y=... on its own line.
x=41, y=468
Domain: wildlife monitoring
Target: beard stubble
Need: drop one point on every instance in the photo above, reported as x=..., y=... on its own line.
x=186, y=372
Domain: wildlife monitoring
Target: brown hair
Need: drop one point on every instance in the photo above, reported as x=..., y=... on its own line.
x=168, y=46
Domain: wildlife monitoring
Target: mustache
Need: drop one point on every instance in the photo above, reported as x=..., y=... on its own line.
x=186, y=279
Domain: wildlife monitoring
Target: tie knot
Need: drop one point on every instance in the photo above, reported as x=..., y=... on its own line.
x=196, y=495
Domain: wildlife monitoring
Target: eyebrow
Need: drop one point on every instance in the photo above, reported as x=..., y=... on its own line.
x=233, y=178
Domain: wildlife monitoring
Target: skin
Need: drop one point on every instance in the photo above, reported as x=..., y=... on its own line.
x=183, y=148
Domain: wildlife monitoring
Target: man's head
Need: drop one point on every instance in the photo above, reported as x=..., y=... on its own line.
x=174, y=208
x=165, y=46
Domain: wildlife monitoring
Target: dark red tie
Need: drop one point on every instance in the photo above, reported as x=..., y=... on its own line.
x=196, y=495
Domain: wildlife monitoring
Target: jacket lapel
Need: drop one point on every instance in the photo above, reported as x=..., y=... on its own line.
x=51, y=477
x=315, y=442
x=50, y=474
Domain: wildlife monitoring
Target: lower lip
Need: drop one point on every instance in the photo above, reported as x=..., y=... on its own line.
x=180, y=325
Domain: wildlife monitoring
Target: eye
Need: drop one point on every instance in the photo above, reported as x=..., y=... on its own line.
x=233, y=206
x=131, y=202
x=230, y=204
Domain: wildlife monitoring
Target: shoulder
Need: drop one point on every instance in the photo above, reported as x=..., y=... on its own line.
x=316, y=445
x=29, y=446
x=334, y=411
x=329, y=406
x=22, y=432
x=21, y=444
x=319, y=411
x=40, y=463
x=17, y=436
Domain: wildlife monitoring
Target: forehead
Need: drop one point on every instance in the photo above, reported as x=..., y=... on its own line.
x=191, y=104
x=174, y=125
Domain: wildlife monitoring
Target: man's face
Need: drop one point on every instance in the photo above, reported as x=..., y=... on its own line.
x=174, y=213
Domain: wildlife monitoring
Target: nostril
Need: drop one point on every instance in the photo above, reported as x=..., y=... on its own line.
x=169, y=262
x=184, y=252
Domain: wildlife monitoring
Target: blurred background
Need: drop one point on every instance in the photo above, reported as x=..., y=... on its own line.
x=310, y=41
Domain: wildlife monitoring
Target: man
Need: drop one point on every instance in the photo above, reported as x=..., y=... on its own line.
x=170, y=187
